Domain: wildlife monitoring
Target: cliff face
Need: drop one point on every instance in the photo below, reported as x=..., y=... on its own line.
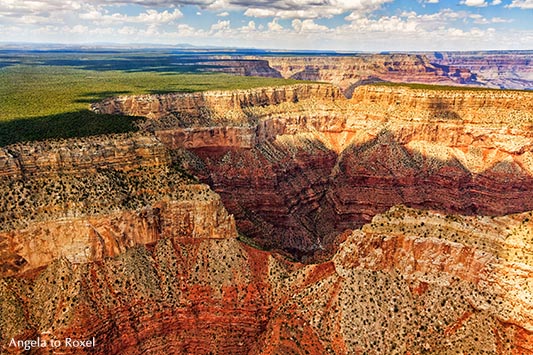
x=494, y=69
x=126, y=250
x=299, y=165
x=109, y=238
x=412, y=282
x=348, y=72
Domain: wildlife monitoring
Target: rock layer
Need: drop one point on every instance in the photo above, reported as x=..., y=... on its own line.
x=348, y=72
x=412, y=282
x=500, y=69
x=298, y=165
x=137, y=254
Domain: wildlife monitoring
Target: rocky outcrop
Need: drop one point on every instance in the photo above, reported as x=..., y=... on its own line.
x=177, y=295
x=119, y=152
x=201, y=108
x=412, y=282
x=107, y=243
x=146, y=260
x=330, y=134
x=244, y=67
x=197, y=214
x=500, y=69
x=348, y=72
x=297, y=172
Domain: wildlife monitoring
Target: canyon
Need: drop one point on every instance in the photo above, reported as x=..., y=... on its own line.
x=496, y=68
x=488, y=69
x=280, y=220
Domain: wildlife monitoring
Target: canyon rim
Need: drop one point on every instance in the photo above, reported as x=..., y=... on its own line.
x=367, y=191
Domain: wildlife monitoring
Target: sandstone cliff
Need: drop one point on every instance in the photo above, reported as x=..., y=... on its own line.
x=500, y=69
x=350, y=71
x=412, y=282
x=298, y=165
x=109, y=237
x=125, y=248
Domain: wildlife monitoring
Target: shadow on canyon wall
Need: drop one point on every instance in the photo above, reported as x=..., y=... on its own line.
x=301, y=201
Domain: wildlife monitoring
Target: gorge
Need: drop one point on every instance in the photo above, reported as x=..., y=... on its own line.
x=395, y=221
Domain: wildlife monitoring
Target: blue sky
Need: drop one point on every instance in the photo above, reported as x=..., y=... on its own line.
x=351, y=25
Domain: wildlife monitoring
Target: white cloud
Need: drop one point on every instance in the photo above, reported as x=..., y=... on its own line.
x=432, y=1
x=150, y=17
x=223, y=14
x=308, y=9
x=220, y=26
x=496, y=2
x=249, y=28
x=307, y=26
x=274, y=26
x=476, y=3
x=522, y=4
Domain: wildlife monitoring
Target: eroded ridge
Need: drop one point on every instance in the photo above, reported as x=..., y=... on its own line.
x=297, y=165
x=411, y=281
x=415, y=282
x=148, y=260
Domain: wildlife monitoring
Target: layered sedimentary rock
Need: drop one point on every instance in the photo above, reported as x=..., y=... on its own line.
x=131, y=253
x=501, y=69
x=299, y=165
x=119, y=152
x=245, y=67
x=350, y=71
x=412, y=282
x=129, y=249
x=492, y=69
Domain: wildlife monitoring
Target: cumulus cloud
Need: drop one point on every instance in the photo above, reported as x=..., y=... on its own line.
x=306, y=9
x=220, y=26
x=522, y=4
x=475, y=3
x=274, y=26
x=150, y=16
x=308, y=25
x=38, y=11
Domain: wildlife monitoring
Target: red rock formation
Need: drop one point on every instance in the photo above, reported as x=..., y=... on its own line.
x=500, y=69
x=119, y=152
x=349, y=71
x=92, y=238
x=147, y=261
x=412, y=282
x=298, y=166
x=168, y=277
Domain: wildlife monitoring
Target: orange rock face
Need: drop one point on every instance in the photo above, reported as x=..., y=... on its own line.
x=349, y=72
x=110, y=240
x=311, y=164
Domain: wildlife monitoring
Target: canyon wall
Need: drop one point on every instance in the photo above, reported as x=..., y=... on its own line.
x=348, y=72
x=412, y=204
x=500, y=69
x=412, y=282
x=105, y=238
x=298, y=165
x=491, y=69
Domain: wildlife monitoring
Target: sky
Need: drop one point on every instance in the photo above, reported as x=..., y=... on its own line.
x=342, y=25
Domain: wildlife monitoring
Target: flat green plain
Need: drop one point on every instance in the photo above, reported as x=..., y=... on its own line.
x=42, y=102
